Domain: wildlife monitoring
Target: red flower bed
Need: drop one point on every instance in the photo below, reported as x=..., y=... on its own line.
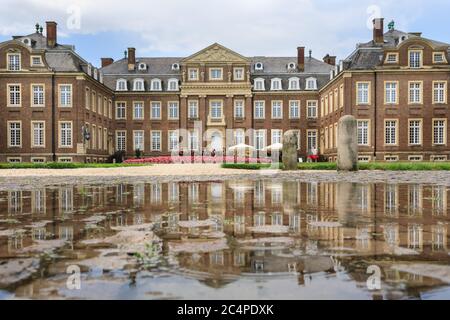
x=197, y=159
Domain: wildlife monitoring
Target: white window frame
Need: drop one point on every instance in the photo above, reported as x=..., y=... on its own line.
x=41, y=139
x=259, y=84
x=442, y=134
x=193, y=72
x=294, y=105
x=363, y=92
x=391, y=136
x=172, y=85
x=260, y=139
x=212, y=71
x=236, y=72
x=312, y=105
x=417, y=140
x=310, y=81
x=17, y=95
x=119, y=140
x=391, y=92
x=415, y=94
x=193, y=109
x=276, y=84
x=440, y=92
x=20, y=135
x=277, y=109
x=65, y=97
x=139, y=116
x=155, y=106
x=363, y=132
x=414, y=63
x=138, y=82
x=123, y=109
x=156, y=140
x=173, y=140
x=121, y=85
x=276, y=136
x=260, y=109
x=17, y=66
x=239, y=109
x=170, y=109
x=61, y=137
x=156, y=85
x=295, y=81
x=141, y=143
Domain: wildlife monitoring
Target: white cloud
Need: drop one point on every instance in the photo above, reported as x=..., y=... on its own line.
x=251, y=27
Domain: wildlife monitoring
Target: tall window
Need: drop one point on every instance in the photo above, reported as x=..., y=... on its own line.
x=156, y=140
x=193, y=140
x=121, y=85
x=65, y=95
x=277, y=136
x=238, y=74
x=294, y=109
x=239, y=136
x=38, y=134
x=121, y=110
x=439, y=92
x=138, y=111
x=259, y=110
x=138, y=140
x=415, y=132
x=239, y=109
x=415, y=92
x=415, y=59
x=14, y=92
x=312, y=109
x=15, y=134
x=121, y=141
x=363, y=93
x=439, y=129
x=138, y=85
x=65, y=134
x=193, y=109
x=311, y=84
x=216, y=109
x=173, y=85
x=294, y=84
x=260, y=139
x=173, y=110
x=174, y=140
x=390, y=132
x=277, y=110
x=14, y=62
x=391, y=92
x=156, y=110
x=38, y=95
x=363, y=132
x=312, y=139
x=275, y=84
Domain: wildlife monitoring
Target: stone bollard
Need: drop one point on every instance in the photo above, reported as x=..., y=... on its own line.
x=290, y=147
x=347, y=144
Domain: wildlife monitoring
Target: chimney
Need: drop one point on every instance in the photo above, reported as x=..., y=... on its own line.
x=107, y=61
x=331, y=60
x=301, y=58
x=131, y=59
x=52, y=36
x=378, y=30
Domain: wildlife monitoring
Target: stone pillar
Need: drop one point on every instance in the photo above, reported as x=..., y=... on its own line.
x=228, y=111
x=290, y=146
x=203, y=112
x=347, y=144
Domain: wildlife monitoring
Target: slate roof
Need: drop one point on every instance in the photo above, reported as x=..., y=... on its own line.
x=278, y=65
x=369, y=55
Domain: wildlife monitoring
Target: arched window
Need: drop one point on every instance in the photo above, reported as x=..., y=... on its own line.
x=259, y=84
x=138, y=85
x=294, y=83
x=311, y=84
x=121, y=85
x=259, y=66
x=276, y=84
x=173, y=85
x=156, y=85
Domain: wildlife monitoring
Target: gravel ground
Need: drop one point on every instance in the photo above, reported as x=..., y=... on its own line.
x=32, y=178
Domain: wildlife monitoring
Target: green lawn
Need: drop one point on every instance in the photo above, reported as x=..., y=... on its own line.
x=62, y=165
x=385, y=166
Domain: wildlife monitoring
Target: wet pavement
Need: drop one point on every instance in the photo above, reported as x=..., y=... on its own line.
x=241, y=238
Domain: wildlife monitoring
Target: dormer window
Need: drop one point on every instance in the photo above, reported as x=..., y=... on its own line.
x=259, y=85
x=259, y=66
x=95, y=74
x=175, y=66
x=275, y=84
x=294, y=84
x=392, y=58
x=439, y=57
x=142, y=66
x=292, y=66
x=138, y=85
x=89, y=70
x=311, y=84
x=415, y=59
x=156, y=85
x=121, y=85
x=14, y=62
x=36, y=61
x=173, y=85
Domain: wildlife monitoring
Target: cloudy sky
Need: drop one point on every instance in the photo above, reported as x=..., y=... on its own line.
x=105, y=28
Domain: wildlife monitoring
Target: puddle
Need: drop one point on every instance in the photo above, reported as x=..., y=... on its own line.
x=239, y=239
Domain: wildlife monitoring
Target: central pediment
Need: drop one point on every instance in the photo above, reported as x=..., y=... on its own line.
x=216, y=53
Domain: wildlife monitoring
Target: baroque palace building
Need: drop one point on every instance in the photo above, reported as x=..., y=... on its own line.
x=55, y=106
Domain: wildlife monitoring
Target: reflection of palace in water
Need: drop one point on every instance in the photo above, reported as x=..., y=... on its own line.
x=274, y=225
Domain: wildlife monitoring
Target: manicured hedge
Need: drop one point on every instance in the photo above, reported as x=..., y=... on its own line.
x=63, y=165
